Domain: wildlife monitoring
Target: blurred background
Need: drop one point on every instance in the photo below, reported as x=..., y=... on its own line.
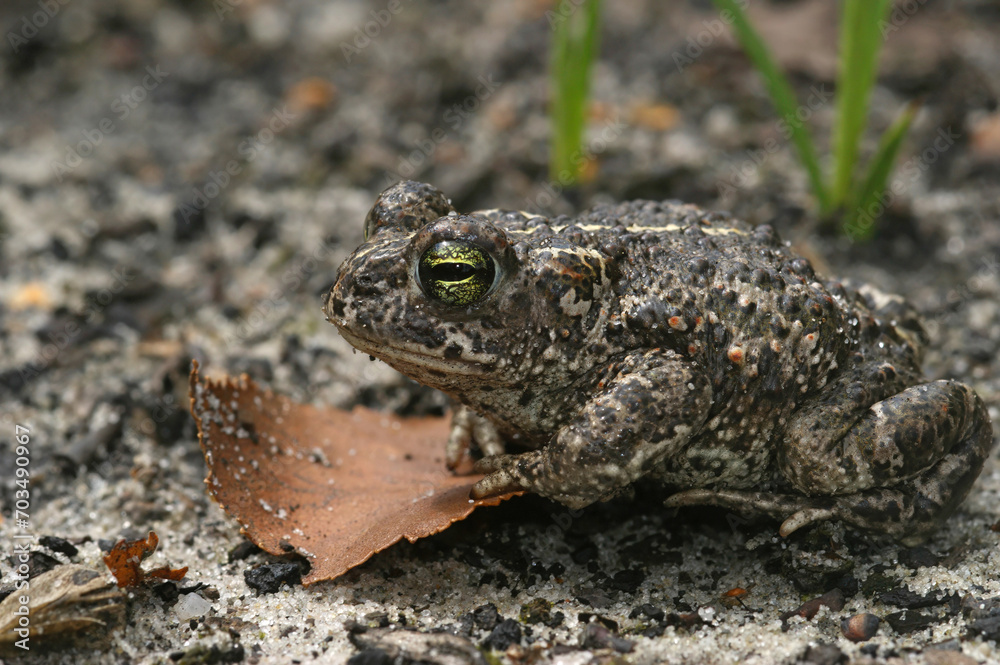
x=223, y=154
x=181, y=179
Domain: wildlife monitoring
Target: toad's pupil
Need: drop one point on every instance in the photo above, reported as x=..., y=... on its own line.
x=452, y=272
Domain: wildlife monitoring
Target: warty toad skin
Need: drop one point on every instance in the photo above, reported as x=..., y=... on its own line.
x=657, y=340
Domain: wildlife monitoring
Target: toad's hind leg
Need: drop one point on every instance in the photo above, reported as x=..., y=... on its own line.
x=901, y=468
x=923, y=449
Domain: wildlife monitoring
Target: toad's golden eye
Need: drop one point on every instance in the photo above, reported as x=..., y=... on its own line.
x=456, y=272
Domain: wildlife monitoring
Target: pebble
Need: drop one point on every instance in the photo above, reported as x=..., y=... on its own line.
x=596, y=636
x=648, y=610
x=822, y=654
x=191, y=606
x=538, y=610
x=987, y=627
x=860, y=627
x=59, y=545
x=903, y=597
x=807, y=610
x=269, y=577
x=167, y=592
x=486, y=616
x=506, y=633
x=942, y=657
x=909, y=621
x=917, y=557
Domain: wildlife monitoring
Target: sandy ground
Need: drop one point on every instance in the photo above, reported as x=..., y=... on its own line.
x=181, y=180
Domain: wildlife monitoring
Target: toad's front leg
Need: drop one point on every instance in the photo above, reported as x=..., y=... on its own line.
x=467, y=427
x=644, y=411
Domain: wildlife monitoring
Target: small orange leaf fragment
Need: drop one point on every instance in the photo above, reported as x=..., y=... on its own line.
x=311, y=94
x=657, y=117
x=735, y=596
x=337, y=486
x=168, y=573
x=31, y=295
x=125, y=558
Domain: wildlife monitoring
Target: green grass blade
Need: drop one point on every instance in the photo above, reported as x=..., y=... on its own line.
x=574, y=49
x=860, y=42
x=782, y=96
x=860, y=222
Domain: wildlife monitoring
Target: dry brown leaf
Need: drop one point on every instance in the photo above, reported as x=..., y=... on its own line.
x=337, y=486
x=125, y=558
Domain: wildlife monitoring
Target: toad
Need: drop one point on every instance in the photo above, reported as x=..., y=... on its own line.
x=656, y=340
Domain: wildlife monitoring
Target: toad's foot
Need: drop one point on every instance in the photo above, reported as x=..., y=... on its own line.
x=468, y=427
x=533, y=472
x=795, y=511
x=503, y=472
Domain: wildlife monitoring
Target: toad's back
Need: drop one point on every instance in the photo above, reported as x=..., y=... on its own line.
x=732, y=298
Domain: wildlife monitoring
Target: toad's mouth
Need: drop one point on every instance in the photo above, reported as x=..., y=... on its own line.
x=408, y=356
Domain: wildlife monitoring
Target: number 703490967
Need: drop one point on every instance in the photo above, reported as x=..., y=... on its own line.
x=22, y=475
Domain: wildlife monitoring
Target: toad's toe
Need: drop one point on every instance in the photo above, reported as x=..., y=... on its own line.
x=495, y=484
